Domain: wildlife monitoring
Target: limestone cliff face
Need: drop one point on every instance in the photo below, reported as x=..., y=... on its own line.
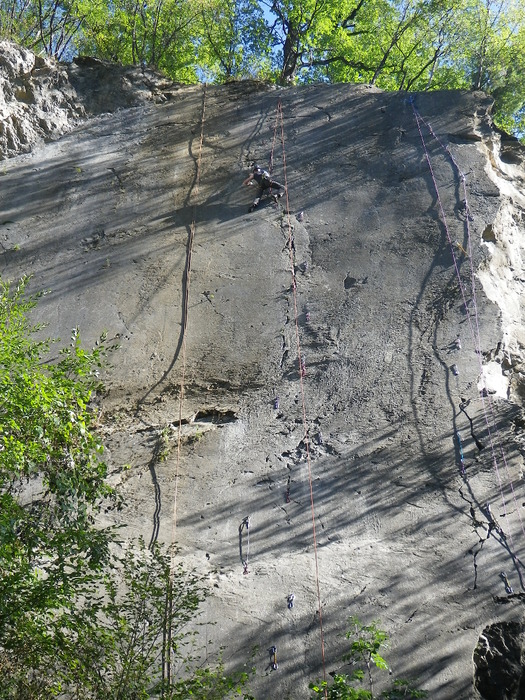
x=41, y=99
x=363, y=337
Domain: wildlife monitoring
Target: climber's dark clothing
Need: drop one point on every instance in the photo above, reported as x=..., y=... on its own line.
x=266, y=185
x=265, y=182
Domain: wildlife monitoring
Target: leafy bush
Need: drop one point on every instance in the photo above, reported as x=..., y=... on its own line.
x=78, y=618
x=366, y=642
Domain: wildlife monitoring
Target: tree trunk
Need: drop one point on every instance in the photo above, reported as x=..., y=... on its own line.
x=290, y=56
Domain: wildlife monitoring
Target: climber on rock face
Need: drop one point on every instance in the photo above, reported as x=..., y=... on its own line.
x=266, y=185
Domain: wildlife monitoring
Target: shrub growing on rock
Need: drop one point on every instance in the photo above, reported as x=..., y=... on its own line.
x=366, y=643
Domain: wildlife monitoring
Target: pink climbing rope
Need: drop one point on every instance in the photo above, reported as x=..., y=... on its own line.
x=476, y=338
x=472, y=318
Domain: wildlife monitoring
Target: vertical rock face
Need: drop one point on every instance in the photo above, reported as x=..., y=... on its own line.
x=498, y=662
x=36, y=100
x=41, y=99
x=350, y=358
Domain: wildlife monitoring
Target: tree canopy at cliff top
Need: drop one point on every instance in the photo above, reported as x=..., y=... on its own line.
x=410, y=45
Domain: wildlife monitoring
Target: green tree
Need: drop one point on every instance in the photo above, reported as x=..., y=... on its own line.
x=364, y=655
x=300, y=30
x=407, y=45
x=134, y=641
x=18, y=21
x=384, y=42
x=52, y=478
x=491, y=55
x=160, y=34
x=41, y=25
x=234, y=41
x=78, y=619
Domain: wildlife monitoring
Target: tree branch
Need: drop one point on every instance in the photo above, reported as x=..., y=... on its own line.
x=358, y=65
x=348, y=22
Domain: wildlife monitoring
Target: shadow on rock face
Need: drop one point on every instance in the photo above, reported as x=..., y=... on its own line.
x=498, y=669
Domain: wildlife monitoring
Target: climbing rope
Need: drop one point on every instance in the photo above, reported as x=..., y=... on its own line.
x=302, y=375
x=474, y=332
x=472, y=316
x=166, y=671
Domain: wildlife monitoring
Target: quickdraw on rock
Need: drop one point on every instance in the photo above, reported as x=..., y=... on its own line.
x=493, y=523
x=290, y=600
x=303, y=367
x=287, y=492
x=461, y=456
x=273, y=658
x=245, y=525
x=508, y=587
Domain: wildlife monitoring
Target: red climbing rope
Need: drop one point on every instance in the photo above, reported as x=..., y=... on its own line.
x=472, y=318
x=302, y=373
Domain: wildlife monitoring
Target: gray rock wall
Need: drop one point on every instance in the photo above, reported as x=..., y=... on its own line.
x=131, y=226
x=41, y=99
